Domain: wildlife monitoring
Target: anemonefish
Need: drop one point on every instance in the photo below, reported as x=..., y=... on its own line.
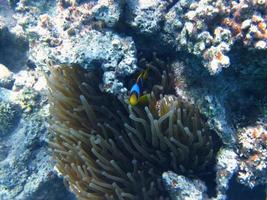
x=137, y=89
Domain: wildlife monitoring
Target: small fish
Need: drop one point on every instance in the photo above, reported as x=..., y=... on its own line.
x=136, y=92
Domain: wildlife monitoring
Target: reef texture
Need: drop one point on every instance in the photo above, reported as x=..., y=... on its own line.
x=209, y=29
x=252, y=150
x=108, y=150
x=146, y=16
x=77, y=36
x=183, y=188
x=26, y=168
x=209, y=95
x=204, y=28
x=6, y=77
x=226, y=166
x=8, y=116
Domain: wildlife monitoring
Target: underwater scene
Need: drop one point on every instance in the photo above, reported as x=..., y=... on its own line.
x=133, y=99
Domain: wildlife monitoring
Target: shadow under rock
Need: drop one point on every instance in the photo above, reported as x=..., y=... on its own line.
x=13, y=50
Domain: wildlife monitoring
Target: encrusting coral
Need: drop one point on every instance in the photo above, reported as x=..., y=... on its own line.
x=106, y=149
x=8, y=117
x=252, y=143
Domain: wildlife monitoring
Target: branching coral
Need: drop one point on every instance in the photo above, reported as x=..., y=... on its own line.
x=209, y=29
x=106, y=149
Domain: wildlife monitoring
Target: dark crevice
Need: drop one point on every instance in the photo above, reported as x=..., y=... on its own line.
x=13, y=50
x=144, y=43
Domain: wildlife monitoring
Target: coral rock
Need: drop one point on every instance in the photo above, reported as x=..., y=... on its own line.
x=252, y=150
x=107, y=11
x=9, y=116
x=182, y=188
x=6, y=77
x=145, y=16
x=227, y=165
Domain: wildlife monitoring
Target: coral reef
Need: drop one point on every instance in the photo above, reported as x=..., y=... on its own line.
x=25, y=165
x=231, y=98
x=210, y=96
x=209, y=29
x=6, y=77
x=182, y=188
x=116, y=55
x=108, y=12
x=105, y=148
x=145, y=16
x=28, y=99
x=82, y=28
x=26, y=168
x=109, y=36
x=226, y=166
x=226, y=101
x=8, y=117
x=252, y=151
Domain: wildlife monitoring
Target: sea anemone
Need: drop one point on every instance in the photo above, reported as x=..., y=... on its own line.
x=106, y=149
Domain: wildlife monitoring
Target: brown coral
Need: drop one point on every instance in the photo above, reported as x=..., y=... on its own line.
x=106, y=149
x=234, y=26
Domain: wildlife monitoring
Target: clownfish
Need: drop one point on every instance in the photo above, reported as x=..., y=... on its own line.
x=137, y=89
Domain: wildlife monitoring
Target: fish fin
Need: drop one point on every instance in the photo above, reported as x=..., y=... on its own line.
x=144, y=99
x=145, y=72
